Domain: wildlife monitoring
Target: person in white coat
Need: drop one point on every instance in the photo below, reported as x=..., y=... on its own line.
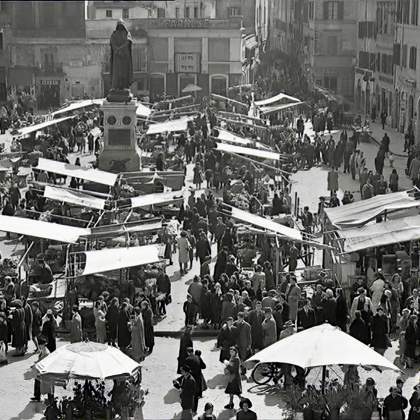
x=377, y=290
x=361, y=303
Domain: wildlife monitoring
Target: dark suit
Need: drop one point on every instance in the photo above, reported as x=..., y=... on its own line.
x=195, y=364
x=306, y=318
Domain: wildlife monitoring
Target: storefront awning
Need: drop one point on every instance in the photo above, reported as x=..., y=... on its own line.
x=74, y=197
x=87, y=174
x=116, y=258
x=24, y=131
x=263, y=154
x=361, y=212
x=275, y=99
x=40, y=229
x=156, y=199
x=381, y=234
x=170, y=126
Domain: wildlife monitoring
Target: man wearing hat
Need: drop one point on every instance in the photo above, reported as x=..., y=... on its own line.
x=42, y=271
x=245, y=412
x=187, y=385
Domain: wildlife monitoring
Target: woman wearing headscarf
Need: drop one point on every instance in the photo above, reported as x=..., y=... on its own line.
x=19, y=339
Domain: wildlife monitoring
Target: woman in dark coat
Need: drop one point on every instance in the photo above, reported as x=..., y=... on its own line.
x=220, y=266
x=226, y=339
x=414, y=413
x=234, y=386
x=379, y=328
x=149, y=335
x=19, y=329
x=48, y=331
x=124, y=335
x=36, y=323
x=411, y=335
x=111, y=317
x=28, y=322
x=205, y=303
x=342, y=312
x=184, y=343
x=216, y=306
x=359, y=330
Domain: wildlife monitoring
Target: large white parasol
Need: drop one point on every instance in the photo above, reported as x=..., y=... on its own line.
x=87, y=360
x=191, y=88
x=323, y=345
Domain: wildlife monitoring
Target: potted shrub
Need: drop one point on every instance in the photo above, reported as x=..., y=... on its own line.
x=335, y=397
x=315, y=402
x=295, y=402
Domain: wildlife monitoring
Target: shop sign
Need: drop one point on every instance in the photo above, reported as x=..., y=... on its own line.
x=187, y=63
x=50, y=82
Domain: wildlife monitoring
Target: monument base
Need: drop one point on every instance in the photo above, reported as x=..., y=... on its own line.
x=121, y=152
x=119, y=161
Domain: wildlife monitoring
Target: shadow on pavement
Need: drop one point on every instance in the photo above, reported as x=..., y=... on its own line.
x=171, y=397
x=30, y=410
x=218, y=381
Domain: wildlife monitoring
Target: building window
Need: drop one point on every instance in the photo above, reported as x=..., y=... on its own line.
x=126, y=13
x=404, y=57
x=330, y=82
x=332, y=45
x=413, y=58
x=363, y=59
x=196, y=13
x=414, y=12
x=187, y=13
x=160, y=12
x=108, y=13
x=177, y=12
x=333, y=10
x=311, y=10
x=1, y=41
x=234, y=11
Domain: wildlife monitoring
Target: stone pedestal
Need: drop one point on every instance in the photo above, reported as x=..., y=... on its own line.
x=120, y=153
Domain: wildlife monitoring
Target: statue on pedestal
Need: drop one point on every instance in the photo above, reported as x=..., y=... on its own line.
x=121, y=64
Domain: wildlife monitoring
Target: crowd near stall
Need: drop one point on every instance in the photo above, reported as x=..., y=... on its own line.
x=286, y=291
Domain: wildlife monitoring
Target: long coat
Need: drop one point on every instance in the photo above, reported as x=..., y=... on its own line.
x=188, y=391
x=18, y=328
x=149, y=335
x=184, y=250
x=255, y=320
x=332, y=181
x=196, y=365
x=269, y=332
x=124, y=335
x=184, y=343
x=379, y=327
x=138, y=346
x=234, y=385
x=225, y=340
x=76, y=329
x=292, y=297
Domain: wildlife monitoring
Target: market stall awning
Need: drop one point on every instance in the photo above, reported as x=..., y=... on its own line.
x=109, y=259
x=361, y=212
x=180, y=124
x=229, y=137
x=143, y=110
x=125, y=228
x=267, y=224
x=275, y=99
x=380, y=234
x=87, y=174
x=323, y=345
x=24, y=131
x=40, y=229
x=77, y=105
x=156, y=199
x=74, y=197
x=224, y=98
x=263, y=154
x=87, y=360
x=276, y=108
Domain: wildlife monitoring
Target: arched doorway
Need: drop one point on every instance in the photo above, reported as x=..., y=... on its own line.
x=157, y=85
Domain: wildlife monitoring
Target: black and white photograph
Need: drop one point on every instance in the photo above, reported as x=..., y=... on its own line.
x=210, y=210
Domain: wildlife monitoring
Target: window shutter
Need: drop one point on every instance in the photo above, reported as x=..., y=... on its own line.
x=341, y=10
x=397, y=53
x=325, y=4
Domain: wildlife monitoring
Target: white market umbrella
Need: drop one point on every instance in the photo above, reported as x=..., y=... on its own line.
x=323, y=345
x=87, y=360
x=191, y=88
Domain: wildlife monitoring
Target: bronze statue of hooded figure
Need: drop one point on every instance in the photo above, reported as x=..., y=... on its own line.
x=121, y=58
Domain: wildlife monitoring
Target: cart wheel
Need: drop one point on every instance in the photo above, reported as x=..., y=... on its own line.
x=262, y=373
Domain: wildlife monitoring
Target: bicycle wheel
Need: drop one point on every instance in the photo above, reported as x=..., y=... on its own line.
x=261, y=374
